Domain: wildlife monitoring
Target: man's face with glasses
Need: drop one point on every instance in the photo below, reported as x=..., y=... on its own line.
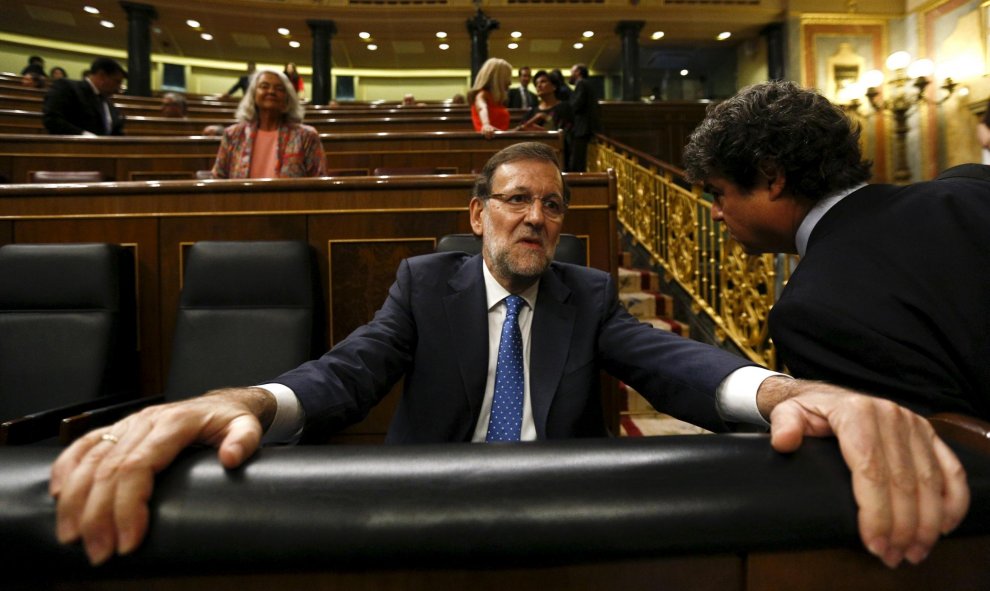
x=520, y=222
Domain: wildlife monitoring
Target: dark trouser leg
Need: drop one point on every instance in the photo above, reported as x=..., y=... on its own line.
x=579, y=155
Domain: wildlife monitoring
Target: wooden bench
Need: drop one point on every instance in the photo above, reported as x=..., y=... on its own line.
x=125, y=158
x=361, y=228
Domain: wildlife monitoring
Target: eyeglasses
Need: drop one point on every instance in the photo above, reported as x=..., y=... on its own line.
x=553, y=205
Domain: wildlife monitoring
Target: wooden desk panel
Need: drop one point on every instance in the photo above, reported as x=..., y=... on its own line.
x=17, y=116
x=126, y=158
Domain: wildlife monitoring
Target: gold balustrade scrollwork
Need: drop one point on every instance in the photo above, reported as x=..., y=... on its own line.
x=672, y=221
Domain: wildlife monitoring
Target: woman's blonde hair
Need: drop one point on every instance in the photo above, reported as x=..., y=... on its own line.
x=247, y=111
x=494, y=76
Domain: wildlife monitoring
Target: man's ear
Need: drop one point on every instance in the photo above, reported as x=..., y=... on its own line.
x=776, y=185
x=474, y=213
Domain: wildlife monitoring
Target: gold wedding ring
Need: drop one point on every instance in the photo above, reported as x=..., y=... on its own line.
x=109, y=437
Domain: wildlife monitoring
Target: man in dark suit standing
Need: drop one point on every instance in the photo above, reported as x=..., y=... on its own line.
x=584, y=104
x=84, y=107
x=520, y=97
x=891, y=295
x=507, y=345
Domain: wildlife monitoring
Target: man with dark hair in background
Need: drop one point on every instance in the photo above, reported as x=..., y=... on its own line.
x=35, y=65
x=520, y=97
x=83, y=107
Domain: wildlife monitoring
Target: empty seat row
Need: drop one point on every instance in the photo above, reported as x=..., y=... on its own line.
x=248, y=311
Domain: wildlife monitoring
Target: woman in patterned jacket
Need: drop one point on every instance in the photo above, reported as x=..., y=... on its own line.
x=269, y=139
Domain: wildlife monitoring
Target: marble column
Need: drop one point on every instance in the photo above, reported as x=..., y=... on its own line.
x=631, y=82
x=323, y=31
x=139, y=17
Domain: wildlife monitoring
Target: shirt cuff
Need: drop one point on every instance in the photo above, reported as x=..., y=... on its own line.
x=289, y=418
x=736, y=395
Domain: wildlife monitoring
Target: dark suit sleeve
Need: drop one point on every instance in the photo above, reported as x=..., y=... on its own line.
x=679, y=376
x=343, y=385
x=60, y=101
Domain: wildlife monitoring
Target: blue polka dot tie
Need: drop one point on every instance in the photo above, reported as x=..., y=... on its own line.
x=505, y=423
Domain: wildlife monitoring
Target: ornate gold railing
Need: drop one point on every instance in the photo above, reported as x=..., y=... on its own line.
x=672, y=220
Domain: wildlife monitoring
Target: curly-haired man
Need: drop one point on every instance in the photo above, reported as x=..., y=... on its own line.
x=890, y=296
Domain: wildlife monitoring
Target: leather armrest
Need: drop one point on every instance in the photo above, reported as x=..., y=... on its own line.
x=334, y=507
x=963, y=429
x=74, y=427
x=45, y=424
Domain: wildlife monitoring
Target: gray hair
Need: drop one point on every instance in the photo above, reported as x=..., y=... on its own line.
x=247, y=110
x=175, y=97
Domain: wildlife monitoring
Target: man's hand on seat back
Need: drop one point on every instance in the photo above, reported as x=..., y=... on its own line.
x=908, y=484
x=103, y=481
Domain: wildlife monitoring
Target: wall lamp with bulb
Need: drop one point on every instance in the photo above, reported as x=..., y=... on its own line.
x=900, y=102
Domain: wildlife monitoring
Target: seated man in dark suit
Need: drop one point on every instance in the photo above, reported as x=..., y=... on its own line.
x=83, y=107
x=507, y=346
x=891, y=294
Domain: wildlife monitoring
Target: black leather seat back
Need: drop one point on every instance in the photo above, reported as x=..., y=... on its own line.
x=247, y=313
x=67, y=325
x=570, y=249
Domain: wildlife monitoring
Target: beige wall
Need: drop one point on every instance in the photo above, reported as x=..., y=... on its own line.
x=751, y=62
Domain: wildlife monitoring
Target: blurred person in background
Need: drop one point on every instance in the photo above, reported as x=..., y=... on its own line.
x=173, y=105
x=488, y=96
x=292, y=73
x=269, y=139
x=83, y=107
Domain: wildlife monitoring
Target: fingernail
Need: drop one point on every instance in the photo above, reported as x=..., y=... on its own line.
x=65, y=531
x=916, y=554
x=98, y=550
x=877, y=547
x=892, y=557
x=126, y=541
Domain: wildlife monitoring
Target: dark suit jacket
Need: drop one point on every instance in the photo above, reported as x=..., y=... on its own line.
x=584, y=103
x=72, y=107
x=893, y=295
x=433, y=330
x=515, y=98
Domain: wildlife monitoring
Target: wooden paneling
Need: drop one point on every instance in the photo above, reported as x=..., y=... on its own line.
x=658, y=129
x=121, y=158
x=20, y=116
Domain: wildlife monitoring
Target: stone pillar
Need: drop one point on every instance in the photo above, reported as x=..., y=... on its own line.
x=631, y=82
x=139, y=17
x=479, y=26
x=774, y=35
x=323, y=31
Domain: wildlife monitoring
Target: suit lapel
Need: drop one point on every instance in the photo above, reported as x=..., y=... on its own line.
x=550, y=337
x=467, y=320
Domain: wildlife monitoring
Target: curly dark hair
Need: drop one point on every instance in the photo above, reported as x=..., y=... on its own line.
x=778, y=127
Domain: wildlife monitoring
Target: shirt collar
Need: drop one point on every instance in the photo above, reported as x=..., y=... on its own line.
x=95, y=90
x=496, y=293
x=816, y=213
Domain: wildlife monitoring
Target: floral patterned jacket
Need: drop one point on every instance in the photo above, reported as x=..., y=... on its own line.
x=300, y=152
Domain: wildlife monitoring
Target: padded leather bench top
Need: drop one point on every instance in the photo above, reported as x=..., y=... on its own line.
x=541, y=503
